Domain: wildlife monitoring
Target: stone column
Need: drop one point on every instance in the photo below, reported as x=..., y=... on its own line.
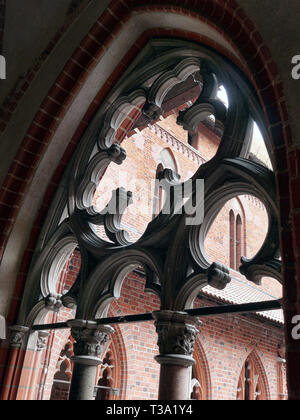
x=38, y=346
x=177, y=332
x=18, y=339
x=90, y=340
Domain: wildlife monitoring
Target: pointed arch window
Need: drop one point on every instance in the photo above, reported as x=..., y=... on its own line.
x=200, y=378
x=238, y=241
x=158, y=193
x=107, y=377
x=62, y=378
x=197, y=388
x=105, y=384
x=150, y=85
x=168, y=161
x=236, y=244
x=231, y=240
x=250, y=385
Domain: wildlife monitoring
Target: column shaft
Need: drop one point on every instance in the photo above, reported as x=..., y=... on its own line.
x=174, y=382
x=83, y=382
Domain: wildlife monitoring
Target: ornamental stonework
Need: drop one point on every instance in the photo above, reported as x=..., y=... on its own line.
x=90, y=342
x=177, y=332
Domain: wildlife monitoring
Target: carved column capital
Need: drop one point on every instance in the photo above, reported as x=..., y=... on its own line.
x=90, y=340
x=18, y=336
x=42, y=340
x=177, y=333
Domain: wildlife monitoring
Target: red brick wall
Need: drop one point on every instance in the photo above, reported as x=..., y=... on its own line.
x=139, y=339
x=69, y=273
x=145, y=147
x=228, y=340
x=60, y=392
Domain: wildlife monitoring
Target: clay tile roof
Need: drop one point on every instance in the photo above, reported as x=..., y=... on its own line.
x=239, y=291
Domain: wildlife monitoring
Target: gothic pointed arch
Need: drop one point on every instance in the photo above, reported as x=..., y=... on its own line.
x=63, y=375
x=134, y=101
x=142, y=95
x=182, y=10
x=253, y=382
x=201, y=381
x=239, y=240
x=231, y=239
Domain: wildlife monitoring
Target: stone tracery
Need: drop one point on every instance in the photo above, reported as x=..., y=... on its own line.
x=226, y=175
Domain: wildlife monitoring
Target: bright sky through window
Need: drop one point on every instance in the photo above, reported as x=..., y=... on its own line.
x=258, y=147
x=222, y=95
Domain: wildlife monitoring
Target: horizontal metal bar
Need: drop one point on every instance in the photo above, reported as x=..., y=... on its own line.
x=240, y=308
x=201, y=312
x=54, y=326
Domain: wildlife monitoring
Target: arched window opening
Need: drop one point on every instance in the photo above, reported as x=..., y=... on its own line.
x=62, y=378
x=258, y=150
x=281, y=372
x=106, y=385
x=200, y=379
x=231, y=240
x=96, y=176
x=238, y=243
x=222, y=95
x=168, y=160
x=158, y=193
x=250, y=384
x=61, y=383
x=197, y=390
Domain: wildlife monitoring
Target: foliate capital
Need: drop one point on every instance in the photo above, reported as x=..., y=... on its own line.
x=177, y=333
x=18, y=336
x=42, y=340
x=90, y=338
